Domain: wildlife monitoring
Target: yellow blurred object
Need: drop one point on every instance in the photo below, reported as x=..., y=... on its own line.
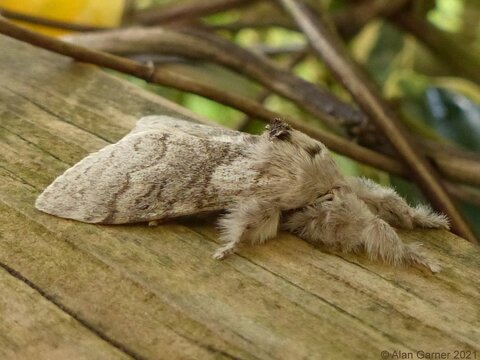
x=104, y=13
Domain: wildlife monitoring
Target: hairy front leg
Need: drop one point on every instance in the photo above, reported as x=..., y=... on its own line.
x=251, y=221
x=389, y=206
x=347, y=223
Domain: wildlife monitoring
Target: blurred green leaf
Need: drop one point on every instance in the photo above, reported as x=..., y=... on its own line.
x=388, y=46
x=212, y=110
x=450, y=114
x=447, y=14
x=453, y=115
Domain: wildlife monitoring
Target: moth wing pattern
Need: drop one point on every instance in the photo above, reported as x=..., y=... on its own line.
x=164, y=168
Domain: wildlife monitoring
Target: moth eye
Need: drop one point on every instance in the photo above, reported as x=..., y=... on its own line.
x=393, y=214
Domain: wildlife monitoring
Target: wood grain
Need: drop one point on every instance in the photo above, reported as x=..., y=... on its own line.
x=33, y=327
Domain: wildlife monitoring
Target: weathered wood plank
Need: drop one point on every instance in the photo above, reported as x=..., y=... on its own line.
x=34, y=328
x=69, y=90
x=406, y=297
x=102, y=296
x=158, y=293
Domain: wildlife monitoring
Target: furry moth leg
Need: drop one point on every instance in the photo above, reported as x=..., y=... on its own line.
x=392, y=208
x=252, y=220
x=346, y=222
x=381, y=242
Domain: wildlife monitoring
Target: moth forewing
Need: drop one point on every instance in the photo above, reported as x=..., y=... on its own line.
x=157, y=171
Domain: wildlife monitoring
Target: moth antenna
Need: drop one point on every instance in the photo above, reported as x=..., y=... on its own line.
x=278, y=129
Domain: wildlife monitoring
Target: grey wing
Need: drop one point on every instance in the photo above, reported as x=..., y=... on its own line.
x=151, y=175
x=171, y=124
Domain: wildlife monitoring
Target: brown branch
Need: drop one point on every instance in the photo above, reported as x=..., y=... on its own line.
x=157, y=76
x=129, y=9
x=350, y=21
x=13, y=15
x=327, y=44
x=292, y=62
x=272, y=51
x=182, y=12
x=448, y=49
x=255, y=24
x=464, y=193
x=453, y=163
x=463, y=170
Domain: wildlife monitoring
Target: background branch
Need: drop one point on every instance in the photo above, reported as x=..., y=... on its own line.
x=349, y=22
x=248, y=106
x=292, y=62
x=184, y=12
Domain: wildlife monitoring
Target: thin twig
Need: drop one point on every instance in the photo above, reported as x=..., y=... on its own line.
x=129, y=9
x=272, y=51
x=184, y=11
x=329, y=46
x=292, y=62
x=348, y=22
x=334, y=142
x=254, y=24
x=464, y=193
x=13, y=15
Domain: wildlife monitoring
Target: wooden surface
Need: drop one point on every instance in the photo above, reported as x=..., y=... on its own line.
x=70, y=290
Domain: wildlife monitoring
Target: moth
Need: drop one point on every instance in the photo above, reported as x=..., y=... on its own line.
x=281, y=180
